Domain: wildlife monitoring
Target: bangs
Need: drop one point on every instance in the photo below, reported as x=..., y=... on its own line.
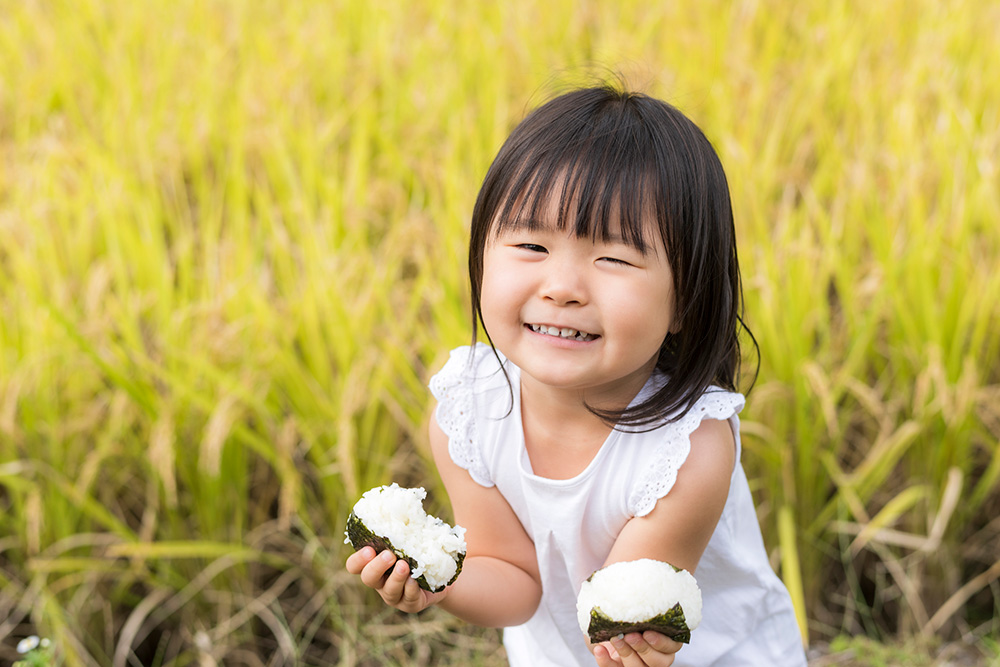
x=596, y=180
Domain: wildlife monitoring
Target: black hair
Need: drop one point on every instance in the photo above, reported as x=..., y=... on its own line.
x=613, y=158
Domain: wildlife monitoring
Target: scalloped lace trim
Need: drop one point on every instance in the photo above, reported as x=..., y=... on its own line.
x=676, y=446
x=452, y=386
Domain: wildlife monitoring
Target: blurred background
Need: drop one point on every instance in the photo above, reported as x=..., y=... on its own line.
x=232, y=252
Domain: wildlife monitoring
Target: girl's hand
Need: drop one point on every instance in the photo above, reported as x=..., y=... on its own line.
x=649, y=649
x=391, y=578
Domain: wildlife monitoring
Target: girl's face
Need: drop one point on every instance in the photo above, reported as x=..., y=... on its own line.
x=577, y=314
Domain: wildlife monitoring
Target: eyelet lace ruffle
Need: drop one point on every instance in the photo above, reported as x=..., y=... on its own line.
x=453, y=387
x=674, y=449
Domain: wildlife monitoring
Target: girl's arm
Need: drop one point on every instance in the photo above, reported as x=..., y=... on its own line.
x=681, y=523
x=499, y=584
x=677, y=530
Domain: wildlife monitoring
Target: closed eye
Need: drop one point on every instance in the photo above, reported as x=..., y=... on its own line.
x=615, y=260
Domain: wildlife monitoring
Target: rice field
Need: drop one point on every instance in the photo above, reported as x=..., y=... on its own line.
x=232, y=252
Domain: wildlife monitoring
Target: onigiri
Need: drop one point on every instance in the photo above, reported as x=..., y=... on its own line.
x=639, y=595
x=393, y=518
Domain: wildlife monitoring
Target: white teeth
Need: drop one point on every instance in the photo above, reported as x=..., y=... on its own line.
x=564, y=332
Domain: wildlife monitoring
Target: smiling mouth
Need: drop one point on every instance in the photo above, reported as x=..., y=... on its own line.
x=564, y=332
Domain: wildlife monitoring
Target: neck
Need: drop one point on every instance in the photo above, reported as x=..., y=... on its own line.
x=561, y=435
x=561, y=408
x=551, y=413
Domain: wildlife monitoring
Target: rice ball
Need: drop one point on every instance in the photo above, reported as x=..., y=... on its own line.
x=393, y=518
x=639, y=595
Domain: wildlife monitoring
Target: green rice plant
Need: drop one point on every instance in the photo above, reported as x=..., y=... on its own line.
x=232, y=252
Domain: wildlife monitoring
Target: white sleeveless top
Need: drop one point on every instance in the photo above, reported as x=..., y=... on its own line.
x=747, y=613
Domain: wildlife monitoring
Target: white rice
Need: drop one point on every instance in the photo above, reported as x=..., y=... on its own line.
x=397, y=514
x=636, y=591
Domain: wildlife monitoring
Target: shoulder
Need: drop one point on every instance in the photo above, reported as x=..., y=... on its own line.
x=715, y=403
x=710, y=461
x=467, y=367
x=703, y=442
x=473, y=394
x=711, y=431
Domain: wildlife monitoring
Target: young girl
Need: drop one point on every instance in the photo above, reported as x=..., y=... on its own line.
x=600, y=424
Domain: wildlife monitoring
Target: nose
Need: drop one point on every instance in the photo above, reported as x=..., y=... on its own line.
x=563, y=285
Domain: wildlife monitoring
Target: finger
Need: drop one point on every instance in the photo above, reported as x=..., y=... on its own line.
x=605, y=655
x=357, y=560
x=373, y=574
x=413, y=595
x=661, y=643
x=626, y=655
x=392, y=590
x=644, y=654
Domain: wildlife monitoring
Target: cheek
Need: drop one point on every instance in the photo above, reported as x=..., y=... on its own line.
x=661, y=291
x=503, y=286
x=494, y=301
x=658, y=314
